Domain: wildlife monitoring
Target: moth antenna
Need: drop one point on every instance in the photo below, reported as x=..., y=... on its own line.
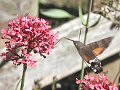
x=63, y=38
x=68, y=39
x=79, y=34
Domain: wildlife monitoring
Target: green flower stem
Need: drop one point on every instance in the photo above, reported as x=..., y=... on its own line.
x=23, y=76
x=86, y=31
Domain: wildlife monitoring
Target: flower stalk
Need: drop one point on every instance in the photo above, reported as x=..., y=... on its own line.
x=85, y=38
x=23, y=76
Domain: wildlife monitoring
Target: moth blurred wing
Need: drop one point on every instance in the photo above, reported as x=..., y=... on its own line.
x=98, y=47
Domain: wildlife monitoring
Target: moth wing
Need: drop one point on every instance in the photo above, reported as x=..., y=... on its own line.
x=98, y=51
x=98, y=47
x=84, y=51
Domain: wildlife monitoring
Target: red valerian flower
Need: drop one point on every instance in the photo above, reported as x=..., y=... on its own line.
x=27, y=34
x=96, y=83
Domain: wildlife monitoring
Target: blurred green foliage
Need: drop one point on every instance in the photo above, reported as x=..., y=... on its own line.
x=56, y=13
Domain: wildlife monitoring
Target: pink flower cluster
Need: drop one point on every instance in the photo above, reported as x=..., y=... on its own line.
x=26, y=34
x=96, y=83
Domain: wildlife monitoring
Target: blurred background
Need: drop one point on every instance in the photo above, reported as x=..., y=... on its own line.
x=61, y=68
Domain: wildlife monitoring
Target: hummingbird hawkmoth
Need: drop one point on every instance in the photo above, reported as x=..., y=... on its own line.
x=90, y=51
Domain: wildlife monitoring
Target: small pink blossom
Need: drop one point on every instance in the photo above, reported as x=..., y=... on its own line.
x=27, y=34
x=78, y=81
x=96, y=83
x=113, y=88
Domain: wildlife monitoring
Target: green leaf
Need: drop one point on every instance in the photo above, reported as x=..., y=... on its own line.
x=43, y=1
x=56, y=13
x=81, y=16
x=96, y=22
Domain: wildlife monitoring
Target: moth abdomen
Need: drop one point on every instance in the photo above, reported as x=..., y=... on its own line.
x=95, y=65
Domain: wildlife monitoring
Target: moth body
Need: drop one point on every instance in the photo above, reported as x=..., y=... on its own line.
x=88, y=56
x=90, y=51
